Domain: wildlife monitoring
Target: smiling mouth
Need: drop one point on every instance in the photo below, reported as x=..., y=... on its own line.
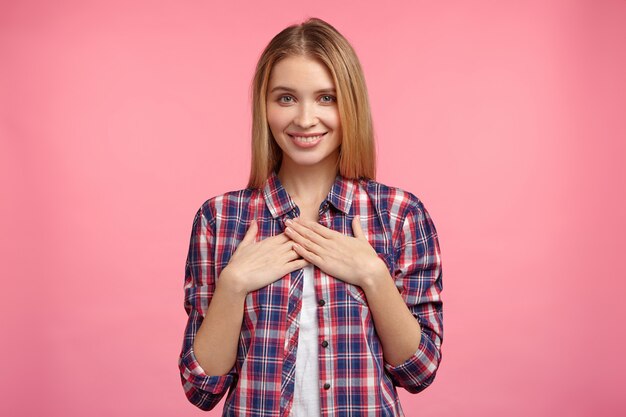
x=307, y=139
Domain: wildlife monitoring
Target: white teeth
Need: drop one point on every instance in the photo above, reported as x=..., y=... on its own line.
x=307, y=140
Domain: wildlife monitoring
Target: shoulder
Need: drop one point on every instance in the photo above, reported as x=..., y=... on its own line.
x=395, y=200
x=227, y=203
x=403, y=210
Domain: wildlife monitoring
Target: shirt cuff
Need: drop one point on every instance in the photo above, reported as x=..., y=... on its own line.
x=418, y=371
x=192, y=372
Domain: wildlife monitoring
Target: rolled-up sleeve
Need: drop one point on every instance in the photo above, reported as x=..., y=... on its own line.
x=204, y=391
x=418, y=275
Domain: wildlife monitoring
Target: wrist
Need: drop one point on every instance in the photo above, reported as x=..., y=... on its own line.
x=229, y=282
x=378, y=275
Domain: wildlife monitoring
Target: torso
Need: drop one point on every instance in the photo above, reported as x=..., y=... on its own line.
x=360, y=367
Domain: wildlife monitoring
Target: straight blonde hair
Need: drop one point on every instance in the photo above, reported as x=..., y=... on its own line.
x=318, y=40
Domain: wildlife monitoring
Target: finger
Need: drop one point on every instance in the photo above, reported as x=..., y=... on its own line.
x=321, y=230
x=275, y=240
x=294, y=266
x=284, y=248
x=356, y=228
x=304, y=241
x=250, y=233
x=309, y=256
x=289, y=256
x=279, y=239
x=308, y=233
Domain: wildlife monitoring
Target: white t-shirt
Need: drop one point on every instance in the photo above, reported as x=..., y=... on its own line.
x=306, y=398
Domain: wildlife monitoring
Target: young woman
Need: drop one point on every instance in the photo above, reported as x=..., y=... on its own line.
x=315, y=291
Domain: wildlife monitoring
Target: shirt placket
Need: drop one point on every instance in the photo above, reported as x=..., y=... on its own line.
x=324, y=302
x=291, y=337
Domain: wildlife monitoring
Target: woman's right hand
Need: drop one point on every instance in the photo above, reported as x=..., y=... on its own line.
x=254, y=265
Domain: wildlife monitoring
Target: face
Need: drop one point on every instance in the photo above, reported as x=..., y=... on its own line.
x=302, y=112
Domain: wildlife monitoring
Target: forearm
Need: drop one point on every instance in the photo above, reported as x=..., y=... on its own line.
x=397, y=329
x=216, y=342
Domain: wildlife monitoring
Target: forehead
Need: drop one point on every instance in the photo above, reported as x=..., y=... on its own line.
x=300, y=73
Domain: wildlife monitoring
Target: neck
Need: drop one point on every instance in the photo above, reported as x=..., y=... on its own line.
x=308, y=185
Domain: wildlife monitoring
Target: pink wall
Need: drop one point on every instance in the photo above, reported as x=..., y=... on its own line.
x=118, y=120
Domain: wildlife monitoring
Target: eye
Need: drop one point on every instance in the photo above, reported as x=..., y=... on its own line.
x=330, y=98
x=280, y=99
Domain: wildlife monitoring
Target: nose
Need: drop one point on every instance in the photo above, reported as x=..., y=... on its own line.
x=306, y=116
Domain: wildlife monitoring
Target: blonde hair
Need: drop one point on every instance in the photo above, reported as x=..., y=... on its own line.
x=318, y=40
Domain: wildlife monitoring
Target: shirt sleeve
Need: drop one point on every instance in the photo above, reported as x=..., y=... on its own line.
x=418, y=275
x=204, y=391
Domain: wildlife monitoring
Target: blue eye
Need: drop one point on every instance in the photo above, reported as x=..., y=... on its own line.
x=332, y=98
x=280, y=99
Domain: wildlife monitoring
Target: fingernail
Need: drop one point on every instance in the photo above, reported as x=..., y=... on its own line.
x=289, y=222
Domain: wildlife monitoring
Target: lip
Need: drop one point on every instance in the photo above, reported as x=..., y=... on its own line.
x=306, y=135
x=305, y=144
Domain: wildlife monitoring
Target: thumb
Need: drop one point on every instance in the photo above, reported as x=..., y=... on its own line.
x=356, y=228
x=250, y=233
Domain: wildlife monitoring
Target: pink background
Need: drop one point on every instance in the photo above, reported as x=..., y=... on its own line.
x=118, y=119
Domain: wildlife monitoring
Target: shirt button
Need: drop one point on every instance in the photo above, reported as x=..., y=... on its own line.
x=327, y=386
x=325, y=343
x=321, y=302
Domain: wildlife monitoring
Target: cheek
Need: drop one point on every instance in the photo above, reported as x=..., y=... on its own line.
x=277, y=119
x=272, y=112
x=271, y=117
x=338, y=132
x=334, y=119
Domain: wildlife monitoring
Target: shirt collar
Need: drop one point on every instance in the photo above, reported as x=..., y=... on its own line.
x=279, y=202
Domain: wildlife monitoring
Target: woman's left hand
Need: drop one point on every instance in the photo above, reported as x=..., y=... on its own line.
x=350, y=259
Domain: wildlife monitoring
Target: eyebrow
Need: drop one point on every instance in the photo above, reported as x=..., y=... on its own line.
x=291, y=90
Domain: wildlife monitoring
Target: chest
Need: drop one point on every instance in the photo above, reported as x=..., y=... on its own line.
x=278, y=301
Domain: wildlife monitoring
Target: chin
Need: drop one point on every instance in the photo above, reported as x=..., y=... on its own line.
x=306, y=162
x=310, y=161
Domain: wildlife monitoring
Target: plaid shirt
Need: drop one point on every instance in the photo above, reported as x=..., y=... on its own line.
x=354, y=379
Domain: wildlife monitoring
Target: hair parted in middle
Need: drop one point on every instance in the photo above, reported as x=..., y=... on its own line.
x=318, y=40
